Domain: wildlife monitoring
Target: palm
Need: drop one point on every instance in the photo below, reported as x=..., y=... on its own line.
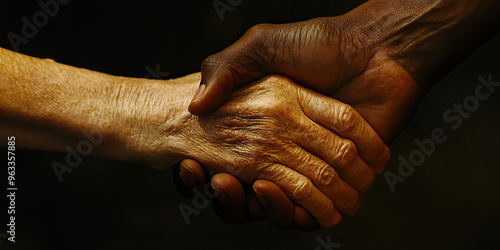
x=385, y=94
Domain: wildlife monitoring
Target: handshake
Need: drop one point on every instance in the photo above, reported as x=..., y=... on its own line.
x=293, y=119
x=310, y=151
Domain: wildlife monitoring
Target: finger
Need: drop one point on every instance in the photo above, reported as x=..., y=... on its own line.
x=346, y=122
x=302, y=191
x=323, y=177
x=304, y=220
x=338, y=152
x=188, y=175
x=231, y=197
x=254, y=210
x=278, y=208
x=243, y=62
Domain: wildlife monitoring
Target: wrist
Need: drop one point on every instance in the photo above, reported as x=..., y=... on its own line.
x=427, y=38
x=150, y=120
x=50, y=106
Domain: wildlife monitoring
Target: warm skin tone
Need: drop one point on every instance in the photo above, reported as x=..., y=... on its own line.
x=380, y=58
x=273, y=129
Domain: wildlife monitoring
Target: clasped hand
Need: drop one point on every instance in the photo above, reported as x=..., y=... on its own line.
x=319, y=151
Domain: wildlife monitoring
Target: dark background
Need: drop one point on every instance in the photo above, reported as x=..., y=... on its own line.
x=450, y=202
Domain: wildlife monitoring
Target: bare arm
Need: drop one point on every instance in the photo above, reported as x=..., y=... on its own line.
x=273, y=130
x=427, y=37
x=48, y=105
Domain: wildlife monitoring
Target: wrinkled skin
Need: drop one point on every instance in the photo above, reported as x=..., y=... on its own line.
x=327, y=55
x=278, y=131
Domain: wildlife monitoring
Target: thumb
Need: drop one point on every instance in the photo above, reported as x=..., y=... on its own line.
x=247, y=60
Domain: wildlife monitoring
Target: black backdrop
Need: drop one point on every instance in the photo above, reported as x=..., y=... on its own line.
x=449, y=202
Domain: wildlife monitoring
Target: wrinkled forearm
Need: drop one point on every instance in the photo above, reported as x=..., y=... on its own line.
x=41, y=97
x=49, y=106
x=427, y=37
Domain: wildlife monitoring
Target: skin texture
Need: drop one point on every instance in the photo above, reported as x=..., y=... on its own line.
x=377, y=87
x=380, y=58
x=276, y=123
x=319, y=151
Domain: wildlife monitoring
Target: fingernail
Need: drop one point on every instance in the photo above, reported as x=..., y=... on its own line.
x=262, y=198
x=199, y=93
x=188, y=177
x=221, y=196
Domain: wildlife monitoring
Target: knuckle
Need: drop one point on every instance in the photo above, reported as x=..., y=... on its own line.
x=274, y=107
x=347, y=153
x=326, y=175
x=259, y=40
x=282, y=87
x=211, y=62
x=346, y=119
x=259, y=29
x=303, y=190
